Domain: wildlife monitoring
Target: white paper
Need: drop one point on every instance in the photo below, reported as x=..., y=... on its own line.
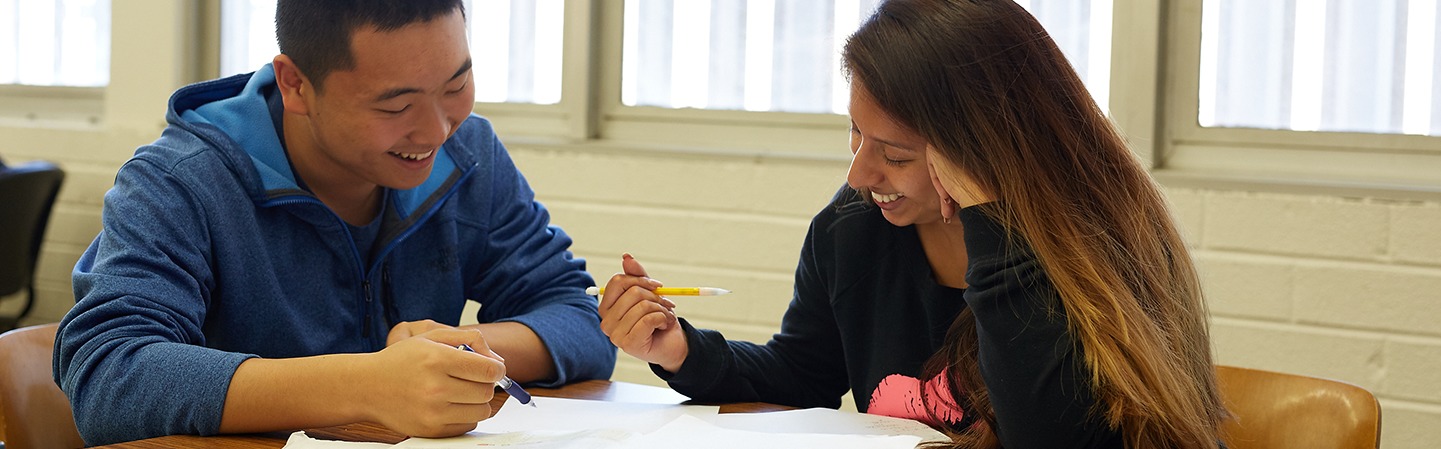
x=529, y=439
x=559, y=414
x=691, y=432
x=557, y=423
x=824, y=420
x=565, y=423
x=299, y=440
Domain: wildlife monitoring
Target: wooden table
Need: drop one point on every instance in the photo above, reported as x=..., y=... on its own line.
x=602, y=390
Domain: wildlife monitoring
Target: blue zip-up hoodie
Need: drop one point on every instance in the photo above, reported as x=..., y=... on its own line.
x=212, y=253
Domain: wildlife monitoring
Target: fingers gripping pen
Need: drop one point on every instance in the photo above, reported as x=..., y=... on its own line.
x=511, y=387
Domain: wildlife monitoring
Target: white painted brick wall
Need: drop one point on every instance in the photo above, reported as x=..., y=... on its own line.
x=1188, y=208
x=1303, y=226
x=1417, y=234
x=1408, y=425
x=1244, y=285
x=1398, y=299
x=1413, y=369
x=1351, y=356
x=1331, y=287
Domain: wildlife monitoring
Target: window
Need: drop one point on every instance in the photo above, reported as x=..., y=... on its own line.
x=773, y=55
x=1317, y=95
x=632, y=62
x=757, y=55
x=519, y=42
x=763, y=76
x=1307, y=92
x=1330, y=96
x=247, y=35
x=1082, y=28
x=55, y=42
x=516, y=43
x=1338, y=65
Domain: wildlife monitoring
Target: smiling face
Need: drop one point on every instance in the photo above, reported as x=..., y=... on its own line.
x=380, y=122
x=889, y=160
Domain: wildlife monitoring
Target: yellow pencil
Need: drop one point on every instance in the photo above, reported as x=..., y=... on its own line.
x=671, y=291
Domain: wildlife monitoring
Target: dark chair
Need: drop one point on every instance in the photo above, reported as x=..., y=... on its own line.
x=27, y=191
x=1282, y=411
x=34, y=413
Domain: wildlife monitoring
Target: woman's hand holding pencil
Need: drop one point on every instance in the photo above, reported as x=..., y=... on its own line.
x=640, y=320
x=671, y=291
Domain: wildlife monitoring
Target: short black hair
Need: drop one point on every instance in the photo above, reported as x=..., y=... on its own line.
x=315, y=34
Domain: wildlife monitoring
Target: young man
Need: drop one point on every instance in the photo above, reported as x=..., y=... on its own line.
x=297, y=246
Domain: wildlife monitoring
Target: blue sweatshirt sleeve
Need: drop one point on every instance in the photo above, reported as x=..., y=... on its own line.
x=1031, y=365
x=130, y=355
x=534, y=279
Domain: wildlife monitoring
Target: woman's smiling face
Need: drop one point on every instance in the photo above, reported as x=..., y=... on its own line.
x=888, y=162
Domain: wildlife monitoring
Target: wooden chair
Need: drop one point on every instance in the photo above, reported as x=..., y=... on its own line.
x=1279, y=410
x=36, y=413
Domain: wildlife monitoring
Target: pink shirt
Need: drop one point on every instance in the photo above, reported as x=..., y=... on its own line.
x=900, y=396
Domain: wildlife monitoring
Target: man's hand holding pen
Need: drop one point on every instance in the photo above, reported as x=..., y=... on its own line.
x=424, y=387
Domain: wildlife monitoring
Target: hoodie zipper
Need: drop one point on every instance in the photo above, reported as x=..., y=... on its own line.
x=366, y=309
x=365, y=327
x=392, y=312
x=384, y=252
x=387, y=297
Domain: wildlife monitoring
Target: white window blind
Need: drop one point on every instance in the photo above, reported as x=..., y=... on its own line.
x=1321, y=65
x=247, y=35
x=784, y=55
x=1082, y=28
x=55, y=42
x=516, y=45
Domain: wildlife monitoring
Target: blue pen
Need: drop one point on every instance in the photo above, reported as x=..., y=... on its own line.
x=511, y=387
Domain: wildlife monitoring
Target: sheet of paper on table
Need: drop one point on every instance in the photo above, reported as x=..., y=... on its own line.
x=557, y=423
x=299, y=440
x=691, y=432
x=825, y=420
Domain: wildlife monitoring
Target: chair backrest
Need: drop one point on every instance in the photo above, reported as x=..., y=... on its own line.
x=1279, y=410
x=36, y=413
x=27, y=192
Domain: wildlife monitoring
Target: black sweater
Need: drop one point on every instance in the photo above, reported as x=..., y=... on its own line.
x=866, y=306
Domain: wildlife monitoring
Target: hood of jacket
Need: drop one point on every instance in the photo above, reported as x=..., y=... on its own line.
x=233, y=116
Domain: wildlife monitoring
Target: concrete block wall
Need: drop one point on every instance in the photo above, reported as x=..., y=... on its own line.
x=1341, y=288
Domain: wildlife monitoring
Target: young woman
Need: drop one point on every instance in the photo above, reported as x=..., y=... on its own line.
x=879, y=282
x=1081, y=323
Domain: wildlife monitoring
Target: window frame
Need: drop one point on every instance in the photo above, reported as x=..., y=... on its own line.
x=1389, y=166
x=1153, y=96
x=812, y=134
x=182, y=35
x=51, y=106
x=590, y=112
x=570, y=119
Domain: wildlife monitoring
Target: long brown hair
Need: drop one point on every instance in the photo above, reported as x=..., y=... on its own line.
x=991, y=92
